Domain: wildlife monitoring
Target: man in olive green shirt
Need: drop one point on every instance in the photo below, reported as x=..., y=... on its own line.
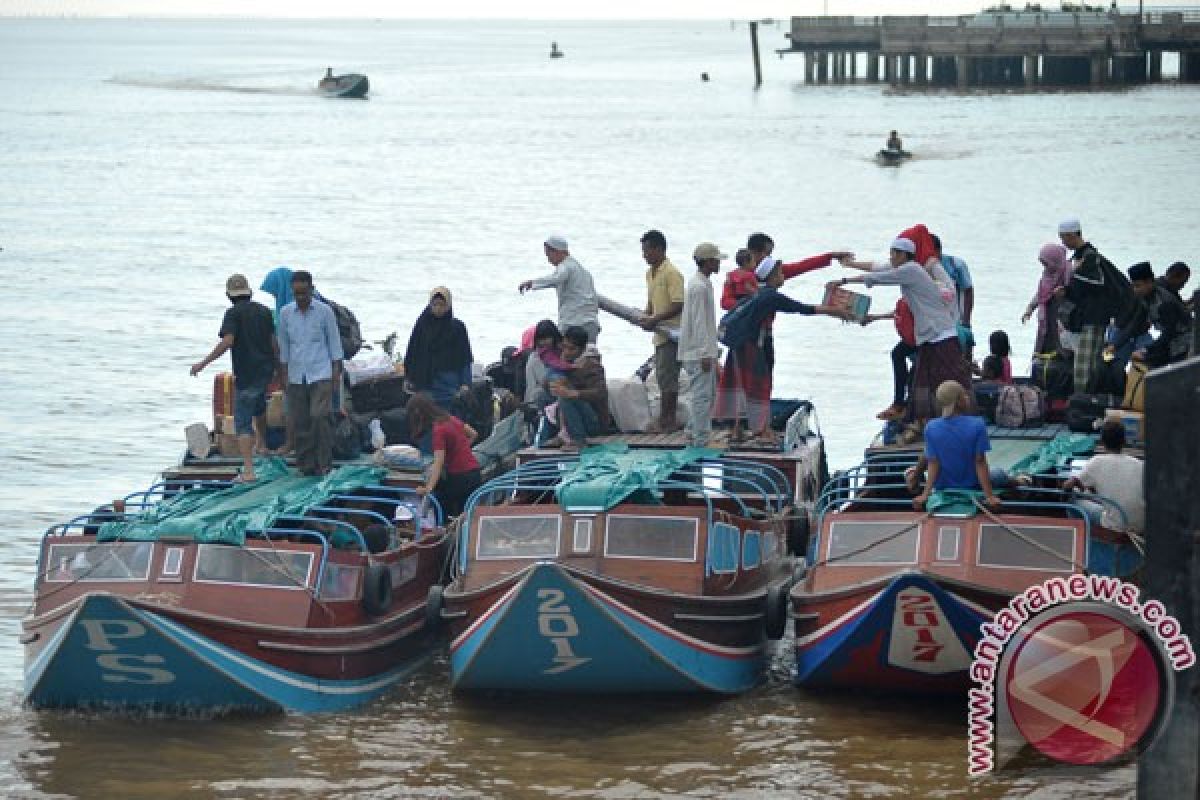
x=664, y=306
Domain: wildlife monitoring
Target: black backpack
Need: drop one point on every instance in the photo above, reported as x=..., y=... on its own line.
x=349, y=330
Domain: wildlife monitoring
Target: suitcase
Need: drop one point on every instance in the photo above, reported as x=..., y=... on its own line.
x=986, y=397
x=223, y=393
x=1085, y=410
x=378, y=395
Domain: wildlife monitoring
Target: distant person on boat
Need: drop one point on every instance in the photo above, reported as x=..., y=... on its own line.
x=1095, y=299
x=249, y=331
x=310, y=349
x=1056, y=274
x=894, y=142
x=664, y=306
x=698, y=349
x=454, y=472
x=438, y=357
x=554, y=51
x=1115, y=476
x=939, y=355
x=582, y=394
x=956, y=447
x=577, y=302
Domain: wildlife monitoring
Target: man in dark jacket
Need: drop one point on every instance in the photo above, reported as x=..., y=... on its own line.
x=1097, y=298
x=249, y=331
x=583, y=394
x=1169, y=314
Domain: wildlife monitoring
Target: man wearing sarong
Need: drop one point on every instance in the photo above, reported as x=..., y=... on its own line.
x=939, y=355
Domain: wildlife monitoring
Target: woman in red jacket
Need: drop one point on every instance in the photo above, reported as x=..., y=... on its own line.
x=454, y=473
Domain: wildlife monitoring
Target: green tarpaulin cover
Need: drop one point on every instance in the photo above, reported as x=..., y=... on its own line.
x=1055, y=453
x=610, y=474
x=224, y=515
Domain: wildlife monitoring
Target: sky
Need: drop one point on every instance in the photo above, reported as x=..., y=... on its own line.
x=508, y=9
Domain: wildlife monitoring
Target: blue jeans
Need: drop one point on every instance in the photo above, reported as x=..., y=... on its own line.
x=579, y=418
x=248, y=403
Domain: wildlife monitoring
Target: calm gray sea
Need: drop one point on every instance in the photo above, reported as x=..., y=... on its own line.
x=146, y=160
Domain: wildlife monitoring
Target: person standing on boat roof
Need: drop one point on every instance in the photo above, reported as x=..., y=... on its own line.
x=438, y=357
x=1056, y=274
x=1095, y=299
x=577, y=301
x=310, y=349
x=894, y=142
x=698, y=348
x=939, y=355
x=956, y=447
x=964, y=294
x=664, y=306
x=248, y=330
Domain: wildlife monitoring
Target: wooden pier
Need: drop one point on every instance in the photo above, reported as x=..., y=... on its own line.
x=990, y=49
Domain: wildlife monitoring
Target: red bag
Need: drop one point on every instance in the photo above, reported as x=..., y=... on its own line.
x=222, y=397
x=906, y=326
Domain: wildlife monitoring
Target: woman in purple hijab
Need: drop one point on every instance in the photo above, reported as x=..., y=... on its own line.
x=1056, y=273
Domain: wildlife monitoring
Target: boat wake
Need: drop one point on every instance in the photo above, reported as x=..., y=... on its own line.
x=205, y=85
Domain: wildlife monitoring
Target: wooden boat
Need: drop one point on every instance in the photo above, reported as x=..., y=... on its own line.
x=894, y=598
x=674, y=587
x=888, y=157
x=320, y=609
x=351, y=84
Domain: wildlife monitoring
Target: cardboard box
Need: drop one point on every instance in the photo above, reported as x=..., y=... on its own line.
x=225, y=425
x=857, y=304
x=227, y=445
x=1134, y=422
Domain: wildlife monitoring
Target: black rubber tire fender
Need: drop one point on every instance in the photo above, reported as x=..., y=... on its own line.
x=377, y=590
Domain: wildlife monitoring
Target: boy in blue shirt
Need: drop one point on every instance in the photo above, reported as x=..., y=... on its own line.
x=956, y=446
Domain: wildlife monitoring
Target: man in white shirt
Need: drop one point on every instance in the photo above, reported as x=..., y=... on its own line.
x=698, y=342
x=577, y=303
x=1117, y=477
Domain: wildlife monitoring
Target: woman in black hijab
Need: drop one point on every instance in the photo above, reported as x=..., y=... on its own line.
x=438, y=358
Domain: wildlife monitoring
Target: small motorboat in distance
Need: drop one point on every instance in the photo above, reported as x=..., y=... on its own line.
x=351, y=84
x=892, y=158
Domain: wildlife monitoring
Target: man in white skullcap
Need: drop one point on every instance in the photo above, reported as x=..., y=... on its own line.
x=577, y=303
x=935, y=323
x=1098, y=295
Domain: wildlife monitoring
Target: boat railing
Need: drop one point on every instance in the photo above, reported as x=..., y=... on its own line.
x=339, y=524
x=397, y=496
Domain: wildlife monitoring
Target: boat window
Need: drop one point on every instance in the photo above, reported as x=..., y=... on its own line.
x=340, y=582
x=118, y=561
x=581, y=542
x=751, y=550
x=518, y=537
x=947, y=544
x=403, y=570
x=666, y=538
x=723, y=540
x=857, y=543
x=1046, y=548
x=252, y=566
x=173, y=562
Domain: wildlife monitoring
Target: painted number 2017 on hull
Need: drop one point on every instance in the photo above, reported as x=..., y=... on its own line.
x=557, y=623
